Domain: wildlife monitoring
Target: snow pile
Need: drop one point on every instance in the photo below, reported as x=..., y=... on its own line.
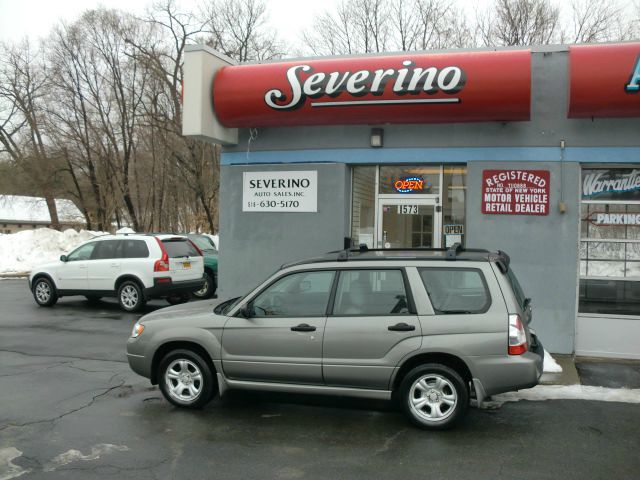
x=21, y=251
x=571, y=392
x=550, y=364
x=126, y=230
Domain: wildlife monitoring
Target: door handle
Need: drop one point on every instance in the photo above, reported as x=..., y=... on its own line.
x=303, y=327
x=402, y=327
x=115, y=264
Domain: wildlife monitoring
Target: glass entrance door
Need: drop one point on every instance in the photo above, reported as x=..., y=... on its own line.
x=408, y=223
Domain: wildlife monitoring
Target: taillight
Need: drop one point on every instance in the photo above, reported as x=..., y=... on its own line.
x=161, y=265
x=517, y=336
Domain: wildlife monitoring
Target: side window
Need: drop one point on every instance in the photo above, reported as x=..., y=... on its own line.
x=134, y=249
x=456, y=290
x=106, y=250
x=82, y=253
x=303, y=294
x=371, y=292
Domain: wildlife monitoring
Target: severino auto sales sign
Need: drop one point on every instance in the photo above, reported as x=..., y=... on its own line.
x=515, y=192
x=408, y=88
x=295, y=191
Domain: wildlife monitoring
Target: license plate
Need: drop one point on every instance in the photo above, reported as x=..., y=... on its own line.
x=186, y=265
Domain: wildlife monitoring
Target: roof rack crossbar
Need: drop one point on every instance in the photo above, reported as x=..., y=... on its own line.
x=453, y=250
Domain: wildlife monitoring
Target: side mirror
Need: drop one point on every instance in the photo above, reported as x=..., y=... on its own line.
x=63, y=258
x=247, y=311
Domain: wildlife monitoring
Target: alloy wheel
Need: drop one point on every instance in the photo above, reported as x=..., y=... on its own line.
x=433, y=397
x=203, y=291
x=183, y=380
x=43, y=292
x=129, y=296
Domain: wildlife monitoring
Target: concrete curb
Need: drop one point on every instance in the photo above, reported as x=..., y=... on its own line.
x=14, y=275
x=568, y=376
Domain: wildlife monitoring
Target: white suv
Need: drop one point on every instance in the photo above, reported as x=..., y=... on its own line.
x=132, y=267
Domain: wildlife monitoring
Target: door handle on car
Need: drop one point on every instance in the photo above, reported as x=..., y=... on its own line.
x=303, y=327
x=115, y=264
x=402, y=327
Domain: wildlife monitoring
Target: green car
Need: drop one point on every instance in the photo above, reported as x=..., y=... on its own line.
x=204, y=243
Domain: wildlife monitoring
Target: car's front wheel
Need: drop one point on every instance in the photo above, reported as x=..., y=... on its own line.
x=130, y=296
x=186, y=380
x=44, y=292
x=434, y=396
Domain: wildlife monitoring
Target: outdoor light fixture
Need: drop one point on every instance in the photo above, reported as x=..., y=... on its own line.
x=376, y=137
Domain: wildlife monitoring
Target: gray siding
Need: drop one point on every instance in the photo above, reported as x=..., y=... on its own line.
x=543, y=249
x=255, y=244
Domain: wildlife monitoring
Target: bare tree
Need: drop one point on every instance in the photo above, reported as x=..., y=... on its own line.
x=598, y=21
x=23, y=86
x=519, y=22
x=238, y=29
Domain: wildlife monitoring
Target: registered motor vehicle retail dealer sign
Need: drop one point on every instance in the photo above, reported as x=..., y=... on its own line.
x=515, y=192
x=294, y=191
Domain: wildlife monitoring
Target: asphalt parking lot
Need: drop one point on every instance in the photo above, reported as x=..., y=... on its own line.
x=71, y=408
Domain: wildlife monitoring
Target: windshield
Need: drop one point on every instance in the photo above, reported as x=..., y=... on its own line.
x=517, y=289
x=203, y=242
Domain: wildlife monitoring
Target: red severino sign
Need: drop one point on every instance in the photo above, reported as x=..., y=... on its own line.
x=604, y=80
x=408, y=88
x=515, y=192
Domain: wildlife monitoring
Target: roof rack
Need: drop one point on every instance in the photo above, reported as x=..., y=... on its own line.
x=451, y=252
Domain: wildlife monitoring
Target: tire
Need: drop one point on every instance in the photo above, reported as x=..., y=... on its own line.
x=130, y=296
x=208, y=289
x=193, y=390
x=178, y=299
x=434, y=396
x=93, y=298
x=44, y=292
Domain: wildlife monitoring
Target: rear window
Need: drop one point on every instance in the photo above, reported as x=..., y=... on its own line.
x=106, y=249
x=180, y=247
x=456, y=290
x=134, y=249
x=371, y=292
x=517, y=289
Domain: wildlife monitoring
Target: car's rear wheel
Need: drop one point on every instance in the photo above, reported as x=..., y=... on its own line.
x=130, y=296
x=44, y=292
x=186, y=380
x=208, y=289
x=434, y=396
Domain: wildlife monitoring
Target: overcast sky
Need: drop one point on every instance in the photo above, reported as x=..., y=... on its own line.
x=34, y=18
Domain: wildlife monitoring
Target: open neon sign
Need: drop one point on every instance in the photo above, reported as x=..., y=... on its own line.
x=408, y=184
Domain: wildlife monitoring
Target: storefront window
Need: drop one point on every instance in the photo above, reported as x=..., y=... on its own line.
x=363, y=206
x=610, y=242
x=454, y=185
x=410, y=180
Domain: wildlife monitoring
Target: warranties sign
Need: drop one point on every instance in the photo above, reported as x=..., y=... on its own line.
x=515, y=192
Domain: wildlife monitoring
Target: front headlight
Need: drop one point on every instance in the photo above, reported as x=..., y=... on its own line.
x=138, y=328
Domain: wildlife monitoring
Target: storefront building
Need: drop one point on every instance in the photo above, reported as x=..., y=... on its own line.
x=532, y=151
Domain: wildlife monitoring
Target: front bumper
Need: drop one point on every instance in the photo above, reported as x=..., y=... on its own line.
x=164, y=287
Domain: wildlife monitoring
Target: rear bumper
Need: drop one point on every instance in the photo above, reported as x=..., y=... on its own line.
x=499, y=374
x=163, y=287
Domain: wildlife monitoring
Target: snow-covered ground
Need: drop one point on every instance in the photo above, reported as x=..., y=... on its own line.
x=569, y=392
x=550, y=364
x=20, y=252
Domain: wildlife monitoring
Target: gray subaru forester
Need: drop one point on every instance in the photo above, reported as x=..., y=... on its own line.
x=427, y=328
